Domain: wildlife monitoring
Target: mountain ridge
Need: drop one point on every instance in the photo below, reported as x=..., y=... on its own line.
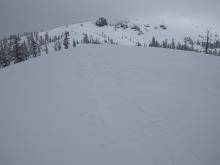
x=130, y=32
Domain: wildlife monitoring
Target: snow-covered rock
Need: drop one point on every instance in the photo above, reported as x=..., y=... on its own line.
x=101, y=22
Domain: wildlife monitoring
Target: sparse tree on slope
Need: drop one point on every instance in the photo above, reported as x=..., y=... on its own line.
x=35, y=48
x=6, y=53
x=74, y=43
x=154, y=43
x=165, y=43
x=85, y=39
x=18, y=50
x=59, y=45
x=66, y=40
x=207, y=41
x=173, y=45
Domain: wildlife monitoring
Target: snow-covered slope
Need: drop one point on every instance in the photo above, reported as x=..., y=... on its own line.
x=173, y=34
x=104, y=105
x=131, y=31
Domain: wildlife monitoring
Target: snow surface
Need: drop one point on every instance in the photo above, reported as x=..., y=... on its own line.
x=104, y=105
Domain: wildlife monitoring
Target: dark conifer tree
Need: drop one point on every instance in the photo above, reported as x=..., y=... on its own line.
x=46, y=49
x=165, y=44
x=35, y=48
x=173, y=45
x=46, y=37
x=25, y=50
x=154, y=43
x=74, y=43
x=207, y=41
x=85, y=39
x=66, y=40
x=6, y=55
x=18, y=50
x=59, y=45
x=55, y=46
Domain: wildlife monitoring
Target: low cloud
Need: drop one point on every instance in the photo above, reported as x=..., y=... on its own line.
x=28, y=15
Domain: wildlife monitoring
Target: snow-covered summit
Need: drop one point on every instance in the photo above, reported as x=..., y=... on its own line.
x=130, y=31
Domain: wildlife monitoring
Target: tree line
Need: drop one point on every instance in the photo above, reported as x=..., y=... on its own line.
x=203, y=46
x=18, y=48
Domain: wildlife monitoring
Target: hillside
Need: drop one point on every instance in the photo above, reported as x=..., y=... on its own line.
x=129, y=32
x=105, y=104
x=177, y=34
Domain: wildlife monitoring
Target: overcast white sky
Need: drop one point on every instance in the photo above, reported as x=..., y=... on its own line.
x=28, y=15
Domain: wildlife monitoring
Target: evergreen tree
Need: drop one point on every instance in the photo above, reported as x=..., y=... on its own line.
x=74, y=43
x=179, y=46
x=191, y=42
x=85, y=39
x=165, y=44
x=198, y=43
x=1, y=54
x=173, y=45
x=46, y=37
x=154, y=43
x=11, y=47
x=66, y=40
x=6, y=55
x=138, y=44
x=36, y=36
x=25, y=50
x=207, y=41
x=55, y=46
x=18, y=52
x=42, y=41
x=59, y=45
x=35, y=48
x=46, y=49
